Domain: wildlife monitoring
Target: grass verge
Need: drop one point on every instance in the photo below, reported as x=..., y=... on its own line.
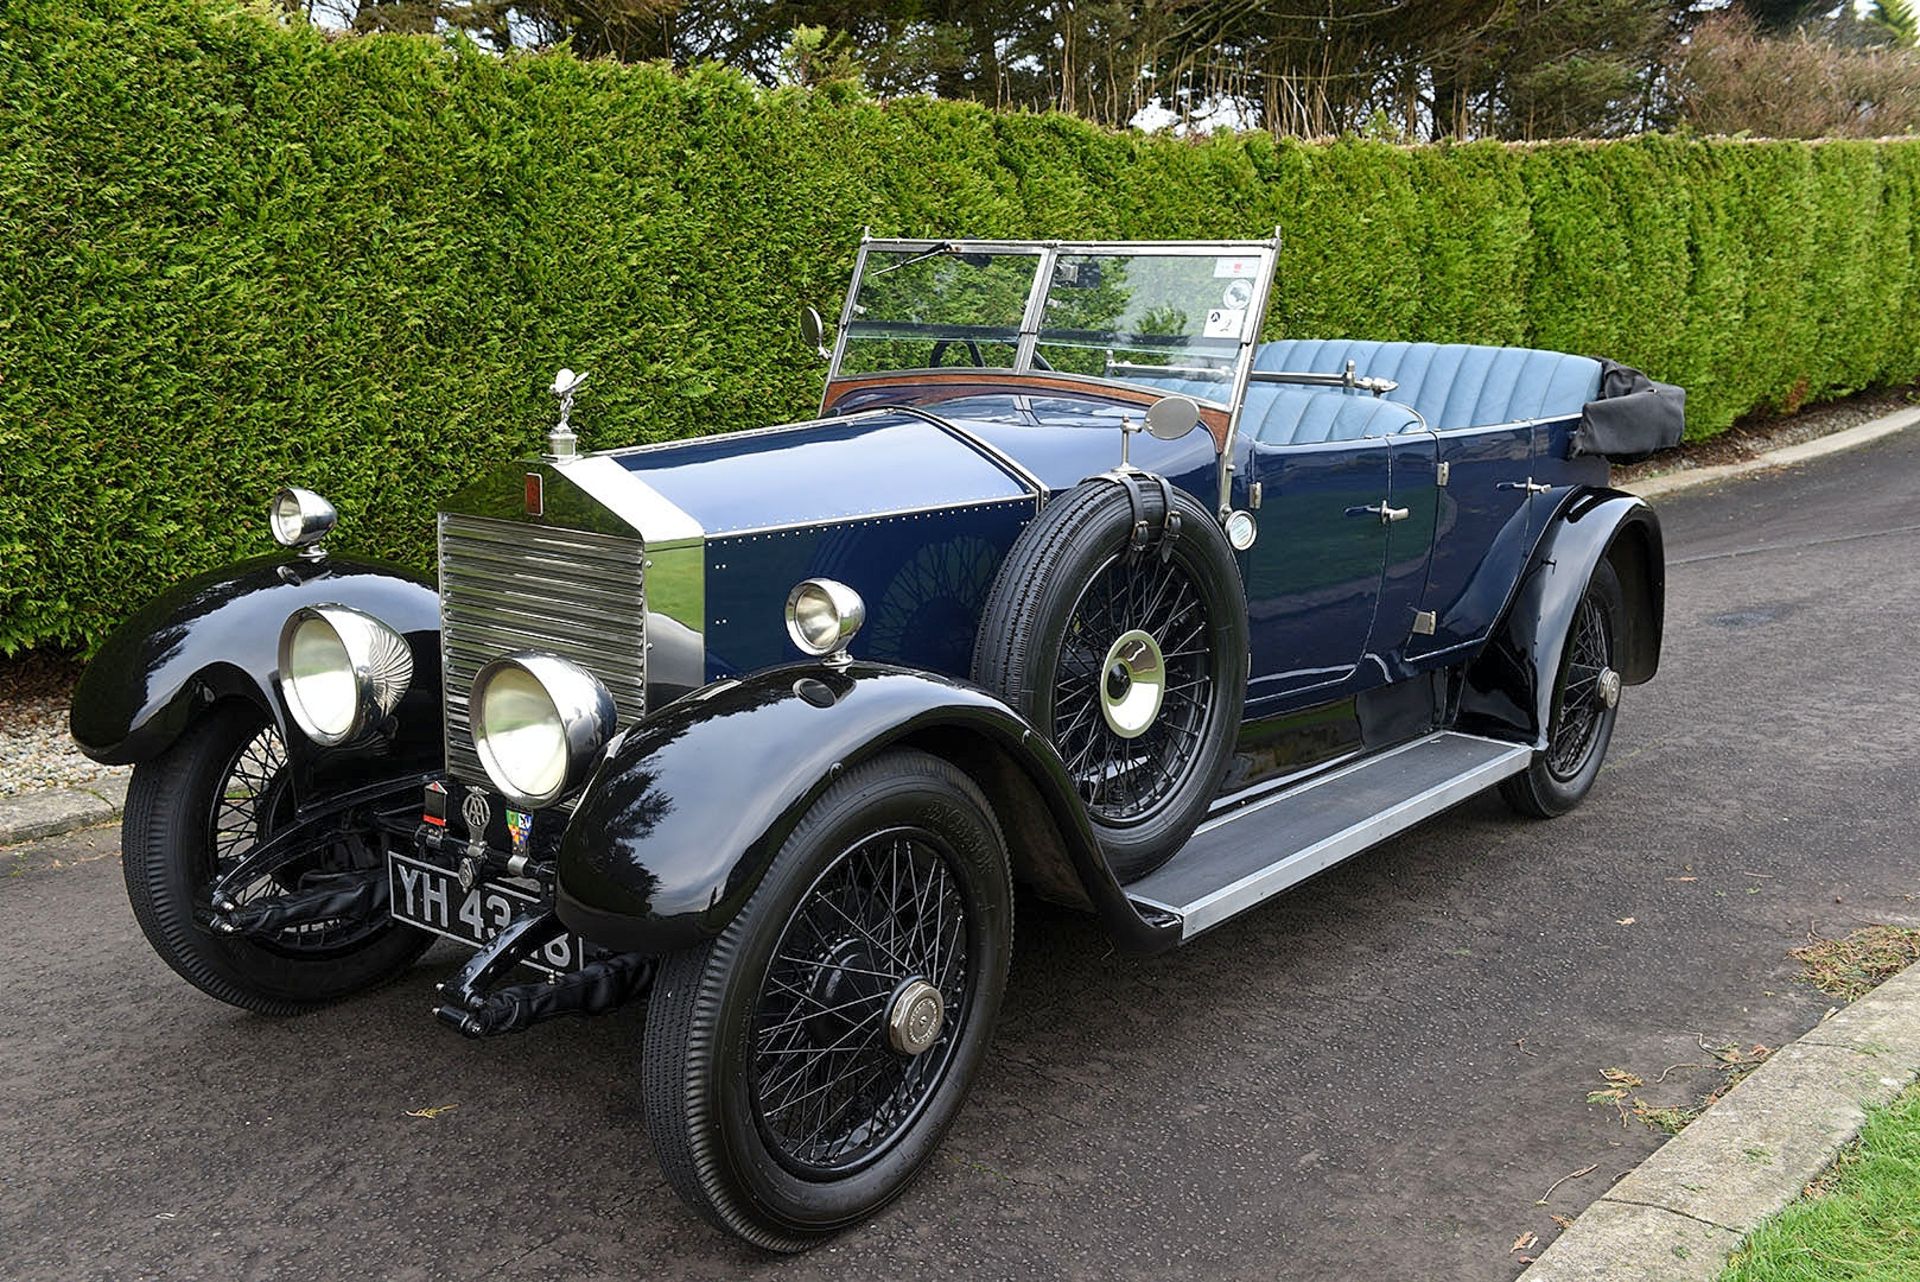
x=1859, y=1222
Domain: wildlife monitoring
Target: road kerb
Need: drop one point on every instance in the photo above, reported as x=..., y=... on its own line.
x=31, y=816
x=1683, y=1211
x=1786, y=456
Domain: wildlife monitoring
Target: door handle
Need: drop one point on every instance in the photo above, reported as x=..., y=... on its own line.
x=1386, y=515
x=1529, y=485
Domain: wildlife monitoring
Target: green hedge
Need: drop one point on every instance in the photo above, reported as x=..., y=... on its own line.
x=235, y=253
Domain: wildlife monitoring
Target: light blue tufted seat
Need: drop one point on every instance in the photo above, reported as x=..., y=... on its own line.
x=1452, y=384
x=1277, y=414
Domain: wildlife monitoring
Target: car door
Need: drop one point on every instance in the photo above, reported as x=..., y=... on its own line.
x=1482, y=533
x=1414, y=503
x=1314, y=575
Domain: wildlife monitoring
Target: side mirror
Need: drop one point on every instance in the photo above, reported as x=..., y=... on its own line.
x=1172, y=417
x=813, y=333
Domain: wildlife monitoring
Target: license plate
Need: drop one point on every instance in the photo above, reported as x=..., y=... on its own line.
x=431, y=898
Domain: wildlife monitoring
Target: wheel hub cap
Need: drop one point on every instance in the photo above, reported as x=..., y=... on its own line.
x=914, y=1017
x=1608, y=688
x=1136, y=681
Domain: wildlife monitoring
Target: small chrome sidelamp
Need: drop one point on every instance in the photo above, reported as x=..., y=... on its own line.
x=299, y=519
x=561, y=441
x=822, y=617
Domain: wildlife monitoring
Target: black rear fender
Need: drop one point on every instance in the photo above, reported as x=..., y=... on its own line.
x=1508, y=691
x=684, y=815
x=217, y=636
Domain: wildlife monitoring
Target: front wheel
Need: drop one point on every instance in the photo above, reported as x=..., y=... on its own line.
x=1586, y=700
x=194, y=811
x=801, y=1068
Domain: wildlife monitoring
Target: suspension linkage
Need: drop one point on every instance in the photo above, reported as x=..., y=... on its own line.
x=471, y=1004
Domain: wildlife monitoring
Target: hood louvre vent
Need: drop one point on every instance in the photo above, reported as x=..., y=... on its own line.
x=507, y=586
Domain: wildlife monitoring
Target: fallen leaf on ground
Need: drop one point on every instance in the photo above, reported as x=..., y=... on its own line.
x=1564, y=1221
x=435, y=1111
x=1524, y=1242
x=1625, y=921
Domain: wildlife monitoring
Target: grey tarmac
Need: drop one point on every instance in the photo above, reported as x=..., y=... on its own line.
x=1376, y=1076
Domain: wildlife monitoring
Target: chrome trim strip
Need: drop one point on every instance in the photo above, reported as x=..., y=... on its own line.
x=1228, y=901
x=653, y=517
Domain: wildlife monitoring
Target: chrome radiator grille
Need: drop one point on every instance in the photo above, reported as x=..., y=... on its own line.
x=505, y=587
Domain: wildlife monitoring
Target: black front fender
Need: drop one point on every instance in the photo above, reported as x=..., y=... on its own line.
x=682, y=819
x=217, y=635
x=1509, y=685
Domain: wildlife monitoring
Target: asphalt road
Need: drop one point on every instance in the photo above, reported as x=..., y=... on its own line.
x=1376, y=1076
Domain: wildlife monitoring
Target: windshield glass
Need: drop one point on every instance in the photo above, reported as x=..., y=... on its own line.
x=1158, y=315
x=923, y=309
x=1144, y=317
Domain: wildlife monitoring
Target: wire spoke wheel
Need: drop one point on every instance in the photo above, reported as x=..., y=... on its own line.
x=866, y=995
x=193, y=813
x=254, y=799
x=1130, y=659
x=1133, y=685
x=1583, y=696
x=1584, y=706
x=802, y=1065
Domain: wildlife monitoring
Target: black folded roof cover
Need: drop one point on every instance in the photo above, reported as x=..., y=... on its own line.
x=1632, y=417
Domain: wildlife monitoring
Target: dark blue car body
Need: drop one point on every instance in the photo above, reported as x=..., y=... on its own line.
x=771, y=722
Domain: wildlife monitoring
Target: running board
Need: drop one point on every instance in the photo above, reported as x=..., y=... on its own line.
x=1248, y=855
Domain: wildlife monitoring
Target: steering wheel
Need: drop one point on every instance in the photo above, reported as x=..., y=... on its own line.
x=939, y=356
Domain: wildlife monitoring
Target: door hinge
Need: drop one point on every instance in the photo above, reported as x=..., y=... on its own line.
x=1254, y=495
x=1423, y=623
x=1440, y=476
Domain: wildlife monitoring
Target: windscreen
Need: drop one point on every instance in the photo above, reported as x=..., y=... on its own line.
x=1148, y=317
x=927, y=309
x=1165, y=317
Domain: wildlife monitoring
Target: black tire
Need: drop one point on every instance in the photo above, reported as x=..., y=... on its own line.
x=734, y=1025
x=1043, y=646
x=185, y=815
x=1558, y=778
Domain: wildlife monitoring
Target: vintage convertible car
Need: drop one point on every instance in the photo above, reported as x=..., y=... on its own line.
x=769, y=724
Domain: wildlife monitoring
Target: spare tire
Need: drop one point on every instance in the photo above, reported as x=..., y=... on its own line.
x=1131, y=659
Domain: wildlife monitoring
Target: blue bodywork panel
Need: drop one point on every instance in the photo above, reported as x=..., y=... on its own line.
x=819, y=472
x=915, y=517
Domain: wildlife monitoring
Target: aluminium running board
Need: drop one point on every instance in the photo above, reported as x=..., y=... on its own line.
x=1247, y=855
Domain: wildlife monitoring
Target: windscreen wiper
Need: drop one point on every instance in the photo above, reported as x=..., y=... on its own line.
x=971, y=260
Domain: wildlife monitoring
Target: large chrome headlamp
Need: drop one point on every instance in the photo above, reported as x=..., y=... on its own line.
x=342, y=670
x=822, y=617
x=300, y=518
x=539, y=722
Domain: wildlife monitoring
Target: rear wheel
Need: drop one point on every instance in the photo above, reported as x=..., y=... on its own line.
x=801, y=1068
x=194, y=811
x=1586, y=700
